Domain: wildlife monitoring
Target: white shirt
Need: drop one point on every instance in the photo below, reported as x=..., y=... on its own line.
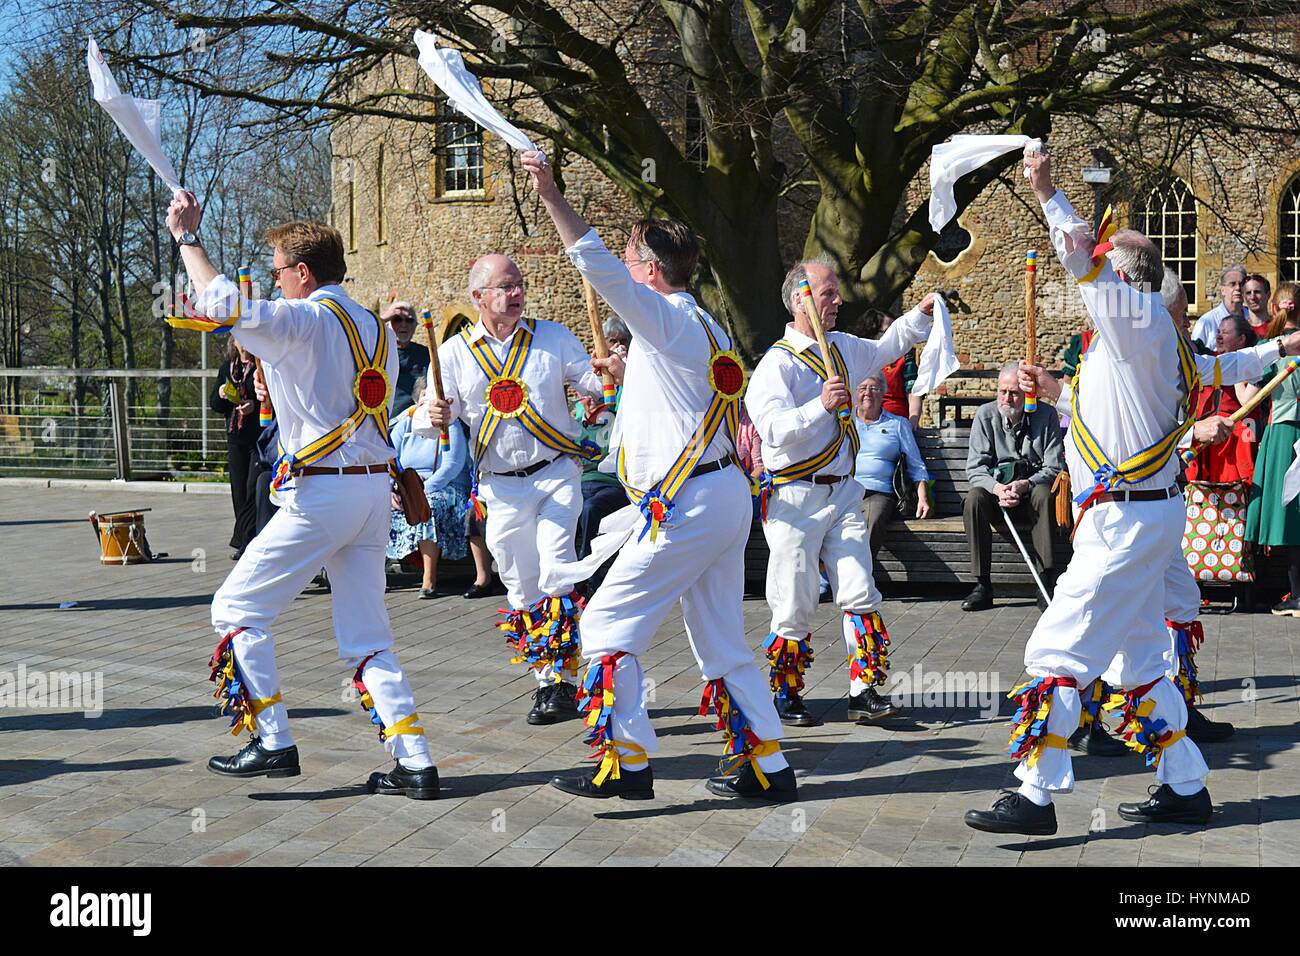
x=666, y=387
x=784, y=398
x=555, y=356
x=1131, y=388
x=308, y=364
x=1206, y=329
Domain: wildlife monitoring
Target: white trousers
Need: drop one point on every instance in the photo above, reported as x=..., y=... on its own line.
x=1106, y=619
x=808, y=523
x=697, y=563
x=339, y=522
x=531, y=526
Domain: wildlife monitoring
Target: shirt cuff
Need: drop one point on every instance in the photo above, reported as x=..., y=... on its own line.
x=219, y=299
x=589, y=243
x=1267, y=353
x=1058, y=210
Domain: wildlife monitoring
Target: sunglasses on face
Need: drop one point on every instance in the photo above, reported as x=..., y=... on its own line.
x=402, y=320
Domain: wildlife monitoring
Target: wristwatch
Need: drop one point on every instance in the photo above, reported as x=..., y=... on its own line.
x=188, y=239
x=1281, y=348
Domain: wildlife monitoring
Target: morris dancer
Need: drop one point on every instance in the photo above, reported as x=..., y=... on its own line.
x=505, y=377
x=1134, y=392
x=329, y=367
x=810, y=504
x=688, y=523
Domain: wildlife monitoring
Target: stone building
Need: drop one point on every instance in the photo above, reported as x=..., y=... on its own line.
x=416, y=209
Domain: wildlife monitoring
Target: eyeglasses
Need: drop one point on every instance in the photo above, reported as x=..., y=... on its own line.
x=275, y=271
x=507, y=288
x=401, y=319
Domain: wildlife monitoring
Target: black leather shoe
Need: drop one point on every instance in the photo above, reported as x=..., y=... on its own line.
x=871, y=706
x=1165, y=806
x=538, y=716
x=781, y=787
x=1095, y=741
x=253, y=761
x=630, y=785
x=416, y=784
x=485, y=590
x=562, y=703
x=792, y=711
x=980, y=599
x=1012, y=813
x=1202, y=730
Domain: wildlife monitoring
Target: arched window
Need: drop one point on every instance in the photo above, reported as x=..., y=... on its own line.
x=1168, y=218
x=1288, y=221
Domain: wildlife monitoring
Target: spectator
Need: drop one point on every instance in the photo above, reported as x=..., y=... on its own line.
x=268, y=451
x=602, y=493
x=1206, y=330
x=899, y=375
x=234, y=397
x=446, y=485
x=1269, y=522
x=1012, y=462
x=1255, y=296
x=412, y=357
x=486, y=583
x=884, y=440
x=1233, y=460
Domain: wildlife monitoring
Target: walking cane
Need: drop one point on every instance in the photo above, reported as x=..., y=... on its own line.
x=1025, y=554
x=426, y=319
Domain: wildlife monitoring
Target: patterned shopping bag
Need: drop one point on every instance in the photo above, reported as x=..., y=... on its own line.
x=1214, y=540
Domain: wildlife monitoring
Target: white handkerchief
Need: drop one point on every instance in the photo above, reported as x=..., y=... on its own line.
x=1291, y=480
x=954, y=159
x=139, y=120
x=447, y=69
x=938, y=358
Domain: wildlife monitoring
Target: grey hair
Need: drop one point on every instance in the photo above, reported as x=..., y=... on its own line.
x=614, y=326
x=877, y=377
x=798, y=272
x=478, y=275
x=1223, y=279
x=1138, y=258
x=395, y=307
x=1013, y=367
x=1172, y=289
x=417, y=389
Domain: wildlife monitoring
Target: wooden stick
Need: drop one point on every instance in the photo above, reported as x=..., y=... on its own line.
x=265, y=411
x=426, y=319
x=1031, y=322
x=810, y=309
x=1190, y=453
x=599, y=345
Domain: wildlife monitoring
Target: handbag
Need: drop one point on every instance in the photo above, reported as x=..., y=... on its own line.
x=410, y=491
x=1214, y=540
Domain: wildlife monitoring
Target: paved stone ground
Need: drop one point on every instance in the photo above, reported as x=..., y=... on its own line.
x=130, y=787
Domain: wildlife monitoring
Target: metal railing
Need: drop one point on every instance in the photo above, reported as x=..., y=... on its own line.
x=110, y=423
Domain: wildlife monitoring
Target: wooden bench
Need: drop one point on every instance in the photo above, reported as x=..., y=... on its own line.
x=933, y=551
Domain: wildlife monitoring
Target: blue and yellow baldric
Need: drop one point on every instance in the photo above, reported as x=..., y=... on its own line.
x=803, y=470
x=507, y=398
x=371, y=388
x=1150, y=460
x=727, y=379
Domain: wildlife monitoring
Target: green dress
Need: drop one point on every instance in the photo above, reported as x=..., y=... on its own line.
x=1268, y=521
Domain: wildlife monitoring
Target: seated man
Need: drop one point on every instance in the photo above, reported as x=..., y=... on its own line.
x=884, y=439
x=1012, y=462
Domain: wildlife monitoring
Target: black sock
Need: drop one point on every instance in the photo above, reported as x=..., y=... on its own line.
x=1293, y=570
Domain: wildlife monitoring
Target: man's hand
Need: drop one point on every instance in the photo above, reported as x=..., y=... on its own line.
x=536, y=165
x=1020, y=488
x=614, y=364
x=184, y=215
x=1006, y=495
x=927, y=304
x=1039, y=166
x=834, y=394
x=439, y=410
x=1214, y=430
x=259, y=387
x=1036, y=379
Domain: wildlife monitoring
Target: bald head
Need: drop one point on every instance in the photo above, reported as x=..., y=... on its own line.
x=497, y=288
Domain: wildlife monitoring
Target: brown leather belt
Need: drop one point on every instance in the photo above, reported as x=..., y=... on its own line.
x=345, y=470
x=828, y=479
x=1164, y=494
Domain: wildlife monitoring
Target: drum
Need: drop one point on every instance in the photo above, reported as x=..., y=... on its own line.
x=121, y=537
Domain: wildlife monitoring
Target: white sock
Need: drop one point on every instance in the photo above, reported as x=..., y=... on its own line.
x=280, y=741
x=772, y=763
x=1187, y=789
x=1035, y=795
